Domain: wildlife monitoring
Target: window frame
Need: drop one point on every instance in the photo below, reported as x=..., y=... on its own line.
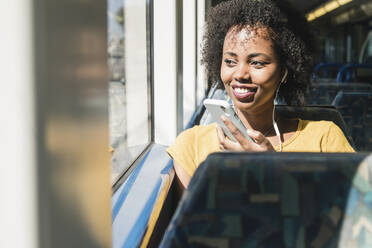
x=166, y=111
x=123, y=175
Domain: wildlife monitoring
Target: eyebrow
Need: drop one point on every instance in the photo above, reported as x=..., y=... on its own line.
x=252, y=55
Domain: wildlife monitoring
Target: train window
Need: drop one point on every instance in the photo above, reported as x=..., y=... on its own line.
x=129, y=85
x=366, y=51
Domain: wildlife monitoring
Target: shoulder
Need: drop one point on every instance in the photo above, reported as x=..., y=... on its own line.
x=193, y=136
x=192, y=146
x=211, y=128
x=197, y=130
x=319, y=128
x=332, y=137
x=317, y=124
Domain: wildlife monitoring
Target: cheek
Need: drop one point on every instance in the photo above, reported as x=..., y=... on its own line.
x=264, y=76
x=225, y=75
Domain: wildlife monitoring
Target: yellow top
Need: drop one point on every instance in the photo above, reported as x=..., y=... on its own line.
x=194, y=145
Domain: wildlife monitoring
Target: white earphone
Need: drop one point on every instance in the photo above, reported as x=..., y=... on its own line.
x=284, y=78
x=276, y=128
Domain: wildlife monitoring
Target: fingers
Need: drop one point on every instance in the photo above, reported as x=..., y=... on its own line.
x=221, y=137
x=261, y=143
x=257, y=136
x=235, y=132
x=225, y=143
x=220, y=134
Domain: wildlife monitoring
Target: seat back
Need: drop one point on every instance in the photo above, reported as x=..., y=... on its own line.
x=276, y=200
x=356, y=110
x=325, y=93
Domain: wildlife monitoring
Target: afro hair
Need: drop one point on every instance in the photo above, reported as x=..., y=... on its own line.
x=289, y=32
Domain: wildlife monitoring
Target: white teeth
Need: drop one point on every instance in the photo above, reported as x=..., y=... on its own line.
x=241, y=90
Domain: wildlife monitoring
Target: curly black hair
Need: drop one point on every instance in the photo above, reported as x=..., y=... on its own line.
x=289, y=32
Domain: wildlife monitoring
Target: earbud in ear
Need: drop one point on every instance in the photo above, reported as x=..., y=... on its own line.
x=284, y=78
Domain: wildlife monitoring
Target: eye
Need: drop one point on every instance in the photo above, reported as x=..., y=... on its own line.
x=258, y=64
x=229, y=62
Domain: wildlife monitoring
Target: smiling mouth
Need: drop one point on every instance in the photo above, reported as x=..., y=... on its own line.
x=244, y=90
x=243, y=93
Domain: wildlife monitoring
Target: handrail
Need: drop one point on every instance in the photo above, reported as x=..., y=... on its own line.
x=324, y=67
x=347, y=69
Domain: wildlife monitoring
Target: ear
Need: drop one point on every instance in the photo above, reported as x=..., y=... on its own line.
x=284, y=78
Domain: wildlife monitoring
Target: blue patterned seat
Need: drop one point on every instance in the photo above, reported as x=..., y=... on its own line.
x=276, y=200
x=324, y=93
x=356, y=110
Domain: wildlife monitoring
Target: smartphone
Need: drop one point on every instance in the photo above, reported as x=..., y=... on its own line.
x=217, y=108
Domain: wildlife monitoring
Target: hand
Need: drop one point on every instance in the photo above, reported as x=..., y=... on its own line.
x=262, y=143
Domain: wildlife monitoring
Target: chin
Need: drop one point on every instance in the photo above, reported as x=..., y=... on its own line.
x=244, y=105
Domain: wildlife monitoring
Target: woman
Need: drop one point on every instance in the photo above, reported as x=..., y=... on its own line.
x=257, y=50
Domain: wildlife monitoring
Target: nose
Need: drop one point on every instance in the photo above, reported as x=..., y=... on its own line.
x=242, y=73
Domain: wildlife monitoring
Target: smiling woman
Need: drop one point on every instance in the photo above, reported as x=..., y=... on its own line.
x=257, y=51
x=251, y=74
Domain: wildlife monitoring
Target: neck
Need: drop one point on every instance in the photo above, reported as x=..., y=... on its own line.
x=261, y=121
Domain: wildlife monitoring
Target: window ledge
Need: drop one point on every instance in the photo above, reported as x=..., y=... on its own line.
x=137, y=203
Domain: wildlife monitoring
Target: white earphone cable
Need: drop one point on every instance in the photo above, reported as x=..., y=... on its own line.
x=276, y=128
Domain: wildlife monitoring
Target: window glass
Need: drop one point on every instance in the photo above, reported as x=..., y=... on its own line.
x=367, y=56
x=129, y=92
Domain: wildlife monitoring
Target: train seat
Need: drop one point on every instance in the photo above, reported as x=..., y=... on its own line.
x=356, y=110
x=276, y=200
x=324, y=93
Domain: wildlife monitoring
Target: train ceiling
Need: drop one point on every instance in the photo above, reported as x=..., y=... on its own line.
x=352, y=11
x=306, y=5
x=348, y=10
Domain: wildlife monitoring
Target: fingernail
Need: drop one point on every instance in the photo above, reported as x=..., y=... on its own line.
x=249, y=131
x=223, y=118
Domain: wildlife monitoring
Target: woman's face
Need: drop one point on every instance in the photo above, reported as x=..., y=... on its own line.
x=250, y=69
